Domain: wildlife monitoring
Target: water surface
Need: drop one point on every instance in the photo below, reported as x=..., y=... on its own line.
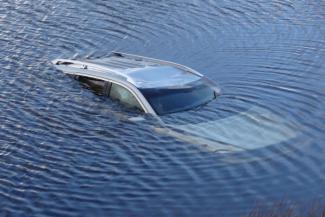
x=68, y=152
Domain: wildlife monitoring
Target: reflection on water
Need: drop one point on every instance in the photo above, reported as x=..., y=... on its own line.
x=66, y=151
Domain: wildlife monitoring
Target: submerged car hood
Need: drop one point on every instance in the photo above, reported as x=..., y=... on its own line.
x=248, y=130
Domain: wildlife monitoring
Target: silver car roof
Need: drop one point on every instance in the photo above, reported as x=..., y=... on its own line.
x=140, y=71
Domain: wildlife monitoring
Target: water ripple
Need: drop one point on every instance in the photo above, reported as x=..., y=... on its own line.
x=66, y=151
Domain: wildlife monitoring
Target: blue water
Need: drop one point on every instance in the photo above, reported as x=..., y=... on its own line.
x=65, y=151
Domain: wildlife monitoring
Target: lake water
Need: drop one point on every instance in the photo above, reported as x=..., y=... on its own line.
x=65, y=151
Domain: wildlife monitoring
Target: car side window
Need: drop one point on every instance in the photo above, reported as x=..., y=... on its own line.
x=100, y=87
x=124, y=96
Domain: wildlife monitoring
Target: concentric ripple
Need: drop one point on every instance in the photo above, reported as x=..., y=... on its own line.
x=65, y=151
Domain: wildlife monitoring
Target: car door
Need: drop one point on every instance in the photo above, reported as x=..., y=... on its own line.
x=113, y=90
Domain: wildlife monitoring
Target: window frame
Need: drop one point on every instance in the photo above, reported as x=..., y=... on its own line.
x=128, y=86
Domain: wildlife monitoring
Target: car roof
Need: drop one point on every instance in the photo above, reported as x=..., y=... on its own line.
x=140, y=71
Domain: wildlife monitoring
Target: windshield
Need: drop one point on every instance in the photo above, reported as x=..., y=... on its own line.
x=170, y=100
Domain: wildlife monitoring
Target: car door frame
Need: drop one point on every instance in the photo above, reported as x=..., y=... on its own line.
x=127, y=85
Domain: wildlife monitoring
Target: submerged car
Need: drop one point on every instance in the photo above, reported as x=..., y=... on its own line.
x=160, y=88
x=153, y=86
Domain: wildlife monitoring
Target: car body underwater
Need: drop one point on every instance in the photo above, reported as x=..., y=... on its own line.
x=160, y=88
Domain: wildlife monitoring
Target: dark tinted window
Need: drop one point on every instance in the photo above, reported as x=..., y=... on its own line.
x=100, y=87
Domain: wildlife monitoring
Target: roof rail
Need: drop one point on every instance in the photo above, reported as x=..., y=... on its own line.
x=162, y=62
